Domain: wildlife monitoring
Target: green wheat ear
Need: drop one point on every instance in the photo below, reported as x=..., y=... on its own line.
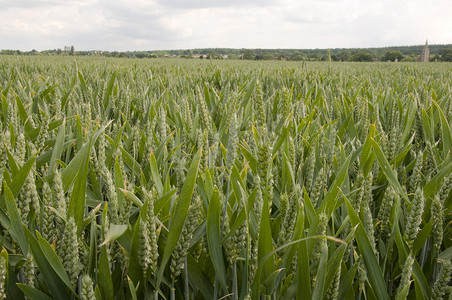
x=406, y=274
x=315, y=258
x=437, y=213
x=183, y=244
x=3, y=161
x=30, y=270
x=442, y=280
x=69, y=251
x=390, y=197
x=414, y=219
x=87, y=291
x=3, y=272
x=48, y=223
x=333, y=289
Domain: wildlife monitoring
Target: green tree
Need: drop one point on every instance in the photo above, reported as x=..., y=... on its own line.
x=409, y=58
x=446, y=55
x=393, y=55
x=343, y=56
x=314, y=56
x=141, y=55
x=248, y=54
x=361, y=56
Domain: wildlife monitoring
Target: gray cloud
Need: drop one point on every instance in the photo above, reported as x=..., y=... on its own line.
x=195, y=4
x=158, y=24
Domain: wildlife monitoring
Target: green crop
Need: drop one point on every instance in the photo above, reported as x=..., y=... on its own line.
x=178, y=179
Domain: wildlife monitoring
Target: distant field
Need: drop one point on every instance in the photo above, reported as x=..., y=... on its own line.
x=196, y=179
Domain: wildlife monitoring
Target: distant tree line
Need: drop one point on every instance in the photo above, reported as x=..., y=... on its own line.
x=401, y=53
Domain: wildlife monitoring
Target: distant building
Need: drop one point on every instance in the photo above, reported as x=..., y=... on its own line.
x=425, y=53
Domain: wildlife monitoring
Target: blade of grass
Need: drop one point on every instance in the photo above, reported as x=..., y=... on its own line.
x=181, y=211
x=376, y=279
x=214, y=238
x=16, y=222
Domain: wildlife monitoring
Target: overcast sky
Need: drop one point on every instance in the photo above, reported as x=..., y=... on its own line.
x=182, y=24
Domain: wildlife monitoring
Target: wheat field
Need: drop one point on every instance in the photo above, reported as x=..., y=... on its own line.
x=183, y=179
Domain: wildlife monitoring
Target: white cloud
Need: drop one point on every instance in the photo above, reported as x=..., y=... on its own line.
x=170, y=24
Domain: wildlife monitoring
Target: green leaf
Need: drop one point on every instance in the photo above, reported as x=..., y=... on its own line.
x=214, y=238
x=427, y=127
x=54, y=283
x=19, y=179
x=16, y=222
x=445, y=132
x=319, y=287
x=404, y=293
x=119, y=182
x=387, y=170
x=333, y=265
x=114, y=232
x=298, y=233
x=366, y=151
x=433, y=186
x=33, y=293
x=265, y=246
x=57, y=148
x=76, y=207
x=418, y=274
x=181, y=211
x=198, y=278
x=249, y=92
x=162, y=201
x=109, y=89
x=68, y=92
x=156, y=175
x=131, y=196
x=97, y=293
x=93, y=257
x=135, y=270
x=446, y=254
x=280, y=140
x=242, y=215
x=328, y=203
x=72, y=169
x=104, y=275
x=23, y=113
x=82, y=83
x=133, y=290
x=12, y=164
x=374, y=273
x=347, y=281
x=252, y=161
x=422, y=237
x=53, y=260
x=125, y=240
x=69, y=173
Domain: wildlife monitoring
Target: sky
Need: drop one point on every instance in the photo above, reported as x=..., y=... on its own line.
x=138, y=25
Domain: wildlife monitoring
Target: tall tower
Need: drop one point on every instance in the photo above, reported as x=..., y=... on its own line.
x=425, y=53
